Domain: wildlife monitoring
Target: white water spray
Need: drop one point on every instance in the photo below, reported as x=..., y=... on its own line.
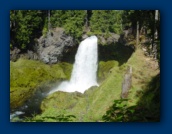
x=84, y=73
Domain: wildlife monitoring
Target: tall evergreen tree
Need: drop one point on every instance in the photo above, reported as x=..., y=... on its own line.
x=71, y=20
x=25, y=27
x=106, y=21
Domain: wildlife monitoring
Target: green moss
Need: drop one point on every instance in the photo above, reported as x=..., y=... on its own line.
x=18, y=95
x=67, y=69
x=60, y=100
x=27, y=75
x=104, y=68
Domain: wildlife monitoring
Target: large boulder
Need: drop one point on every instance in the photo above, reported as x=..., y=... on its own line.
x=50, y=48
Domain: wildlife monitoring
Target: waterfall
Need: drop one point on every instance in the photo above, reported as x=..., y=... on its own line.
x=84, y=73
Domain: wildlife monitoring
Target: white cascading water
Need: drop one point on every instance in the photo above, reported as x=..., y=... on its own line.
x=84, y=73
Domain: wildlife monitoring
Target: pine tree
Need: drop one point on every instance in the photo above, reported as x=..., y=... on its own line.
x=25, y=27
x=106, y=21
x=71, y=20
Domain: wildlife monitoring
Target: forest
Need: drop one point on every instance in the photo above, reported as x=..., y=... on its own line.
x=43, y=45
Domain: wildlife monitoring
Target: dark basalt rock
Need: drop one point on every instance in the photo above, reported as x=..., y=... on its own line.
x=52, y=46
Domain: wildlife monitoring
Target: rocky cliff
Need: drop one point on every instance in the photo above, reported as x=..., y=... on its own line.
x=50, y=48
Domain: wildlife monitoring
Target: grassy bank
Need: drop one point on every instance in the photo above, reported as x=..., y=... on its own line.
x=77, y=107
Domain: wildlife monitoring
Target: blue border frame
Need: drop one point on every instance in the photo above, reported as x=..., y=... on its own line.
x=164, y=126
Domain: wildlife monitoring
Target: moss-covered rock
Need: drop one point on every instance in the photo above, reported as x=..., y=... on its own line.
x=18, y=95
x=27, y=75
x=61, y=100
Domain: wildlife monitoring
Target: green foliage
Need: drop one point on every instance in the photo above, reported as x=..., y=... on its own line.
x=58, y=18
x=71, y=20
x=45, y=28
x=75, y=22
x=24, y=26
x=120, y=112
x=106, y=21
x=101, y=21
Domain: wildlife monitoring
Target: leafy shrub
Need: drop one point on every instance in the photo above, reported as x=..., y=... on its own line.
x=120, y=112
x=146, y=109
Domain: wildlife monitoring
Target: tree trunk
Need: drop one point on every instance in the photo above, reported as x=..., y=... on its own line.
x=156, y=20
x=137, y=36
x=86, y=19
x=155, y=36
x=127, y=82
x=49, y=23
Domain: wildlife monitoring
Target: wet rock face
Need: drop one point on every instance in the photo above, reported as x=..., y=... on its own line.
x=52, y=46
